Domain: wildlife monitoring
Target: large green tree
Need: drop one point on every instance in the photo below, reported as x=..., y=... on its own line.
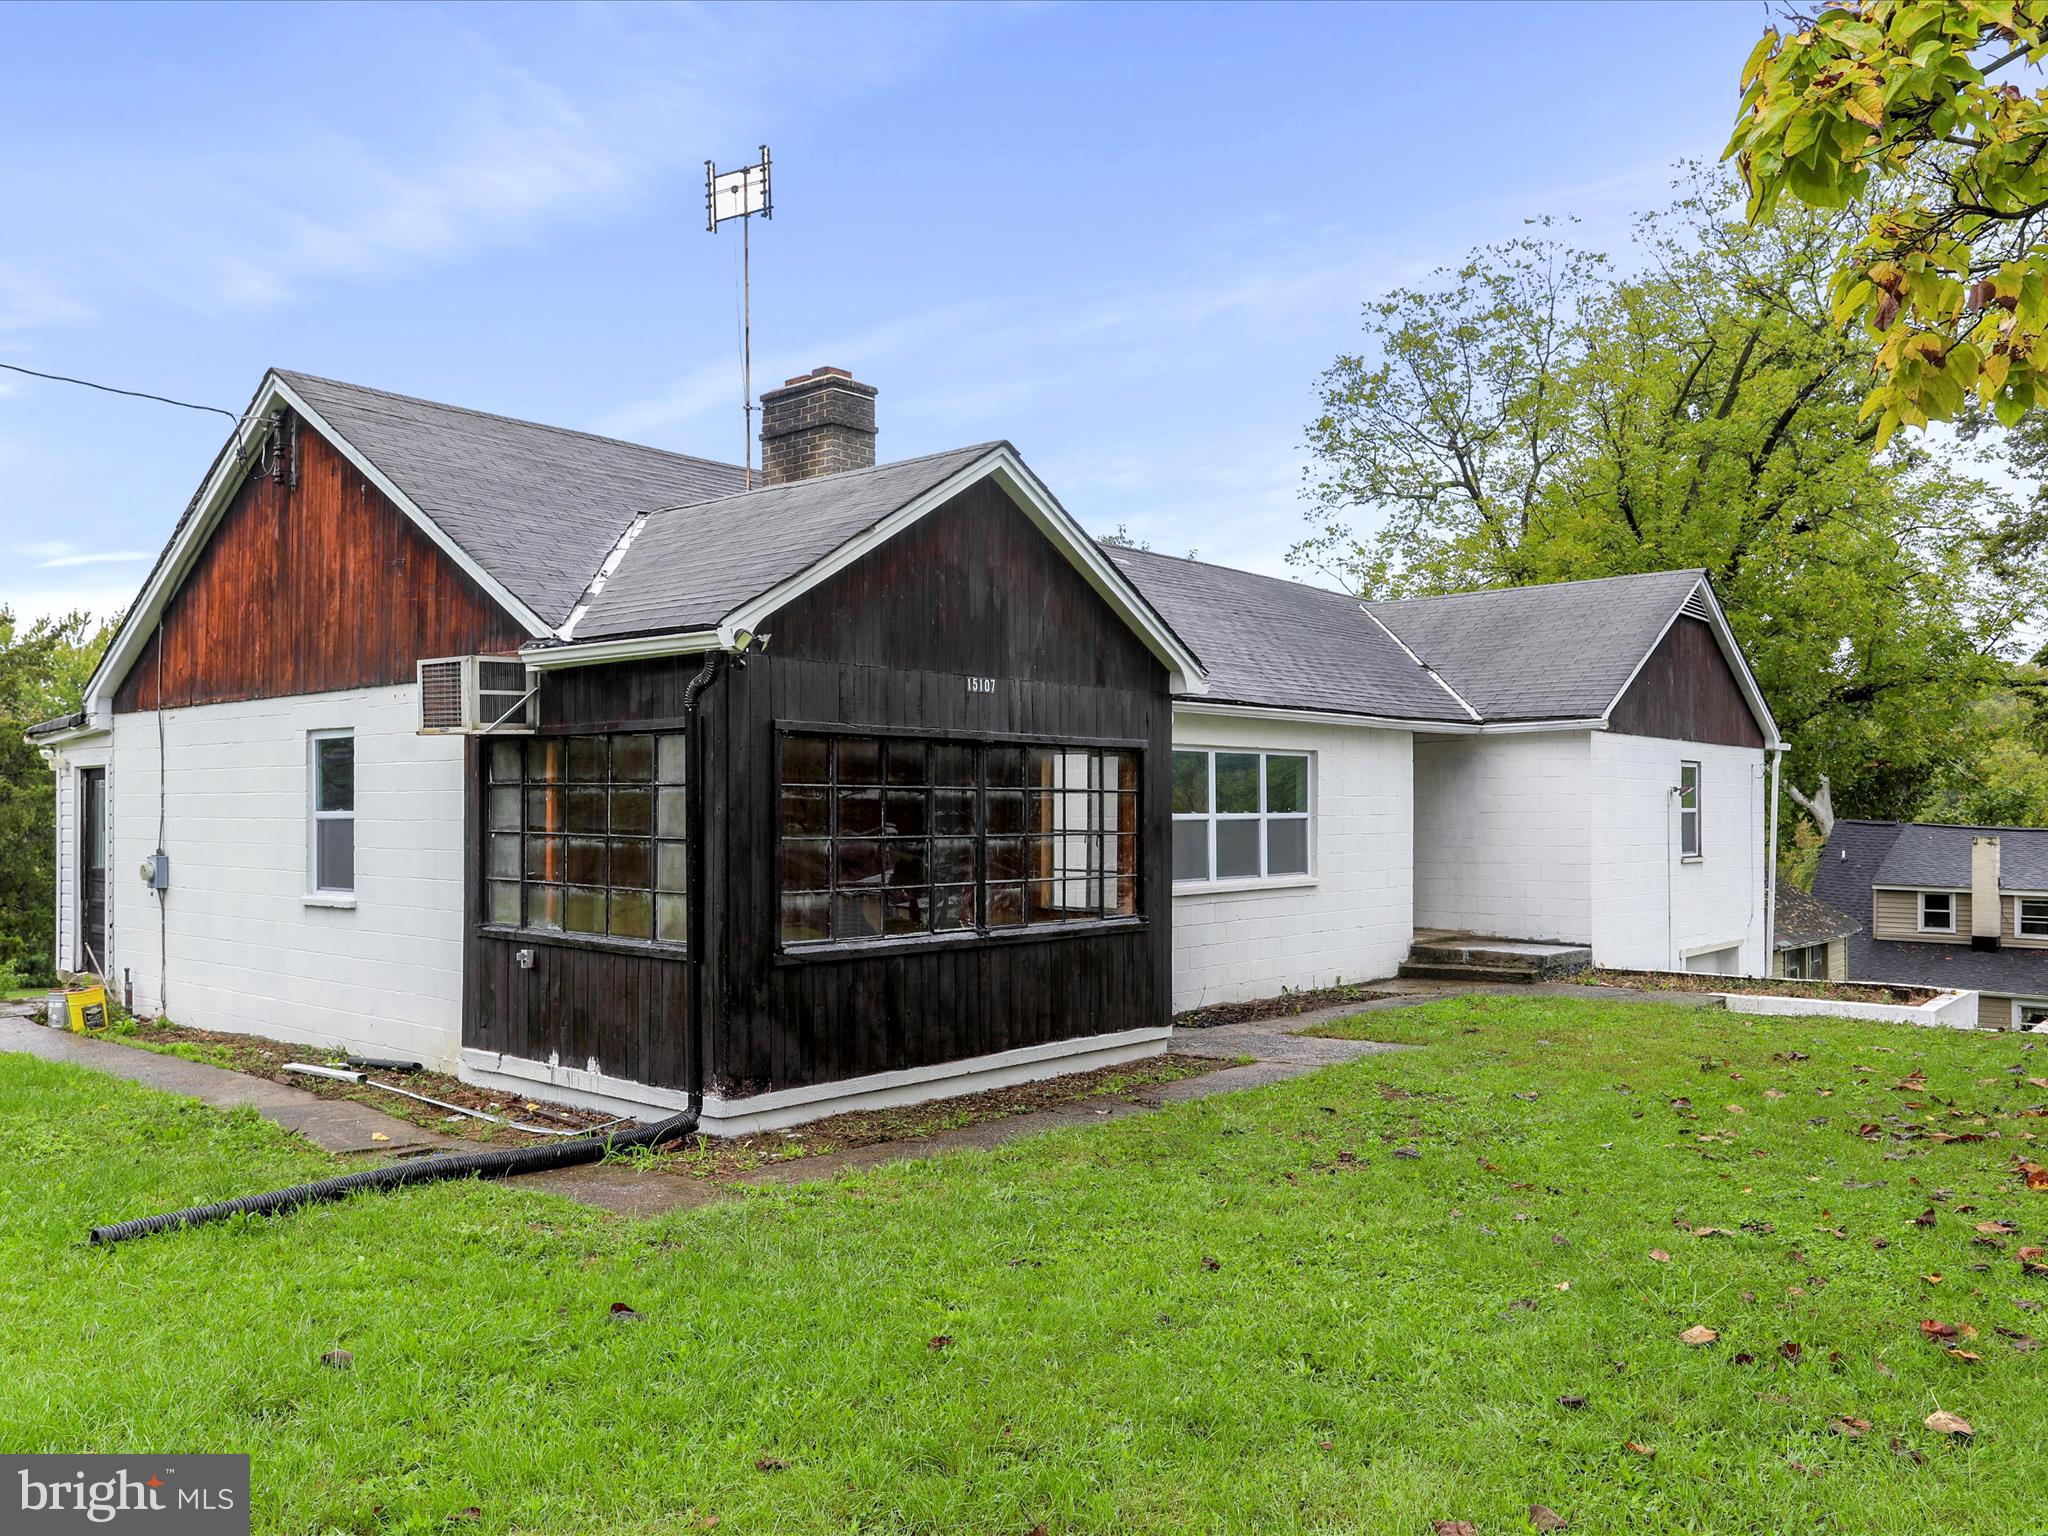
x=1538, y=414
x=43, y=671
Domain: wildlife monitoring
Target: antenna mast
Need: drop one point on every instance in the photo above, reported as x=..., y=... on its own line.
x=740, y=195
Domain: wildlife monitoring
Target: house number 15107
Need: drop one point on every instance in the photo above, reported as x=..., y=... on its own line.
x=981, y=685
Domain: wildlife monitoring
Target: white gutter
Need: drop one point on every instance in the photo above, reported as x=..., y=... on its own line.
x=1771, y=869
x=590, y=653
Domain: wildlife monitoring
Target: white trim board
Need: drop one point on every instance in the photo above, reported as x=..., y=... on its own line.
x=1281, y=714
x=222, y=483
x=589, y=1087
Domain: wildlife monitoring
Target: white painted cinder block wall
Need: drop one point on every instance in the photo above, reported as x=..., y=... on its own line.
x=247, y=950
x=1652, y=908
x=1503, y=835
x=1352, y=920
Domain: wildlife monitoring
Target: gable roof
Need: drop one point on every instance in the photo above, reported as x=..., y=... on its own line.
x=1269, y=641
x=1803, y=918
x=538, y=507
x=1562, y=651
x=1939, y=855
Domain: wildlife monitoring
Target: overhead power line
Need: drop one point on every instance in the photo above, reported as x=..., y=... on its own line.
x=136, y=394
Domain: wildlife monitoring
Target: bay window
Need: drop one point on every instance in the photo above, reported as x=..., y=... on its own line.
x=1239, y=815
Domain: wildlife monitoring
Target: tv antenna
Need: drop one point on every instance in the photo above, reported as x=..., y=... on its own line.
x=740, y=195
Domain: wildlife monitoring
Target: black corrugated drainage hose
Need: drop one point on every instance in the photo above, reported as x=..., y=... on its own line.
x=503, y=1163
x=506, y=1162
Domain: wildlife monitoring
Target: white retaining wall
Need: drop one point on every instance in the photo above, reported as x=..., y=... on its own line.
x=1352, y=919
x=249, y=948
x=1503, y=835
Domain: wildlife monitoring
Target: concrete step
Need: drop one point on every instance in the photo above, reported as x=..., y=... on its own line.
x=1534, y=961
x=1435, y=970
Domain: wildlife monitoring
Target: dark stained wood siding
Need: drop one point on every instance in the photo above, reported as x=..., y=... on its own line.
x=1686, y=692
x=311, y=588
x=973, y=590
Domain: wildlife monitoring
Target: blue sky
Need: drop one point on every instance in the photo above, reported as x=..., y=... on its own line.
x=1126, y=238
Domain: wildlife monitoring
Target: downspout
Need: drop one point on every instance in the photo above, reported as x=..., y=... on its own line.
x=698, y=941
x=1771, y=868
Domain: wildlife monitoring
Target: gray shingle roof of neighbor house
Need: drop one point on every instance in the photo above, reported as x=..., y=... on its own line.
x=1803, y=918
x=1268, y=641
x=1928, y=854
x=51, y=727
x=1850, y=864
x=690, y=566
x=1561, y=651
x=538, y=507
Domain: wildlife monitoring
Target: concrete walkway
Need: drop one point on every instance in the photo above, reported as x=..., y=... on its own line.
x=332, y=1125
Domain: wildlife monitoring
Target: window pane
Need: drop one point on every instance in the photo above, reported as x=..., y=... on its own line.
x=1005, y=766
x=585, y=909
x=501, y=810
x=1237, y=848
x=589, y=759
x=544, y=906
x=1191, y=850
x=334, y=842
x=905, y=762
x=632, y=863
x=1005, y=906
x=543, y=858
x=544, y=760
x=501, y=901
x=2034, y=919
x=955, y=907
x=953, y=858
x=807, y=866
x=1005, y=811
x=633, y=759
x=856, y=916
x=633, y=811
x=503, y=859
x=1286, y=783
x=859, y=860
x=860, y=760
x=586, y=810
x=904, y=813
x=543, y=810
x=953, y=763
x=671, y=812
x=1006, y=858
x=1120, y=772
x=1120, y=896
x=1689, y=785
x=906, y=911
x=806, y=812
x=632, y=915
x=860, y=812
x=805, y=759
x=672, y=758
x=904, y=862
x=952, y=811
x=803, y=918
x=671, y=867
x=586, y=861
x=672, y=919
x=1689, y=833
x=1190, y=783
x=1237, y=782
x=334, y=759
x=506, y=757
x=1287, y=846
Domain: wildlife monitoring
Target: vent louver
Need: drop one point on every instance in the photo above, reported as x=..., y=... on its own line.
x=1696, y=606
x=469, y=695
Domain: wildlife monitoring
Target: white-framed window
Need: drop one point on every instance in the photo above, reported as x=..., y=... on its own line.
x=1240, y=815
x=331, y=819
x=1689, y=810
x=1937, y=912
x=1809, y=962
x=2030, y=1013
x=2031, y=920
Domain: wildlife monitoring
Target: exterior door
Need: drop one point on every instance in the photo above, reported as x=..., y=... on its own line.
x=92, y=870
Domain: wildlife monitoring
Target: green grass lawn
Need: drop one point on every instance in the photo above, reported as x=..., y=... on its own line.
x=1252, y=1313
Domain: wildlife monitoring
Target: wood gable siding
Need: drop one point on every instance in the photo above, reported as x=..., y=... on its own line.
x=312, y=588
x=972, y=590
x=1686, y=691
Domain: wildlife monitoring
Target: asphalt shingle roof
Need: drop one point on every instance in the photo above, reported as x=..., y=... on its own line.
x=1562, y=651
x=690, y=566
x=1856, y=853
x=1263, y=640
x=1804, y=918
x=538, y=507
x=1922, y=854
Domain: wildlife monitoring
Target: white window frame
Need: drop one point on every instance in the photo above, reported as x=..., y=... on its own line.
x=1920, y=911
x=316, y=893
x=1213, y=818
x=2020, y=929
x=2022, y=1006
x=1691, y=812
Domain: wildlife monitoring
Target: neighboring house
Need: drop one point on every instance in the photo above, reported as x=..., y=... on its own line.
x=1963, y=907
x=1810, y=938
x=578, y=767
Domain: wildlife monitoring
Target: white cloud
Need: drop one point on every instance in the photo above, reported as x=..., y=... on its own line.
x=97, y=557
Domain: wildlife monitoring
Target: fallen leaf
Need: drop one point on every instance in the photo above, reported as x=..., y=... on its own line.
x=2025, y=1343
x=1639, y=1448
x=1852, y=1429
x=1908, y=1452
x=2002, y=1227
x=940, y=1341
x=1932, y=1279
x=2037, y=1176
x=1697, y=1335
x=1527, y=1098
x=1933, y=1329
x=1545, y=1518
x=1572, y=1400
x=471, y=1513
x=1454, y=1528
x=1790, y=1351
x=1408, y=1152
x=770, y=1464
x=1211, y=1264
x=1660, y=1256
x=1800, y=1466
x=1968, y=1357
x=378, y=1136
x=338, y=1360
x=1926, y=1218
x=1942, y=1422
x=1564, y=1285
x=1735, y=1109
x=622, y=1313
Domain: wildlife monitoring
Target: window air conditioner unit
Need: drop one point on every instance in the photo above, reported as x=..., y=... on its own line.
x=476, y=695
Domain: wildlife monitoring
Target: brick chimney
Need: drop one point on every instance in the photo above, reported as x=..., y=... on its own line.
x=818, y=424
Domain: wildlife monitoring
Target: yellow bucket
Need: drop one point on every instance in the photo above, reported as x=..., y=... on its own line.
x=87, y=1009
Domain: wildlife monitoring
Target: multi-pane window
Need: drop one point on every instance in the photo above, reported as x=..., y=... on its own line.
x=1937, y=912
x=332, y=834
x=1689, y=810
x=1809, y=962
x=2031, y=921
x=2030, y=1014
x=887, y=837
x=1240, y=815
x=584, y=834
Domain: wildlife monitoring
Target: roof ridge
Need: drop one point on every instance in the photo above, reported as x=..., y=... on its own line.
x=289, y=374
x=1943, y=826
x=1291, y=583
x=1543, y=586
x=837, y=474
